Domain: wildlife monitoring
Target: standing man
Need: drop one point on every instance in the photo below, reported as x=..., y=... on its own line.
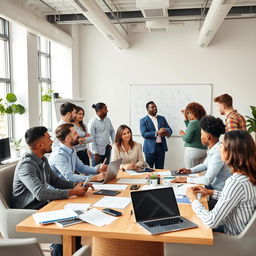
x=67, y=112
x=101, y=129
x=154, y=129
x=64, y=160
x=233, y=121
x=33, y=176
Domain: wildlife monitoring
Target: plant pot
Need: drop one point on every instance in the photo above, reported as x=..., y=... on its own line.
x=153, y=182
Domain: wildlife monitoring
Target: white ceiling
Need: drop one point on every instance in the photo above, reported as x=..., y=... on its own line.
x=51, y=7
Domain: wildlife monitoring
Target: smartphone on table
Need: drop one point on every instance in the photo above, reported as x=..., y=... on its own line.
x=112, y=212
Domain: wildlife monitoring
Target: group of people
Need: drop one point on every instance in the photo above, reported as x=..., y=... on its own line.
x=230, y=166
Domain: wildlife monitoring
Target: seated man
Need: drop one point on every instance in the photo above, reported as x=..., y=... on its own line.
x=33, y=176
x=64, y=160
x=216, y=170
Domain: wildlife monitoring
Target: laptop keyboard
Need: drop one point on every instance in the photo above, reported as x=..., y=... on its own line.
x=164, y=222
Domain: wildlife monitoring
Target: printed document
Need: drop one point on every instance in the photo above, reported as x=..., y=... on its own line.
x=113, y=202
x=132, y=181
x=110, y=186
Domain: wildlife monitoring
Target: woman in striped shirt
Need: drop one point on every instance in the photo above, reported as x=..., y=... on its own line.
x=237, y=201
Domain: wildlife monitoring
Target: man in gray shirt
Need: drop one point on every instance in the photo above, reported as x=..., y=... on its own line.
x=101, y=129
x=34, y=183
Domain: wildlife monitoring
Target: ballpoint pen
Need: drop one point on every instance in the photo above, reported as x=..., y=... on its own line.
x=180, y=185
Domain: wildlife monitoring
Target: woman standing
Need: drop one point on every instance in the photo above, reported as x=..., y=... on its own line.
x=237, y=201
x=127, y=149
x=81, y=148
x=195, y=152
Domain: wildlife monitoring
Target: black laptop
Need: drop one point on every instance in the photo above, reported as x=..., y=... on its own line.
x=156, y=211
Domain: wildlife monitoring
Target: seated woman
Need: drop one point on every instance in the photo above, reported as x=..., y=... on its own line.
x=195, y=152
x=237, y=201
x=127, y=149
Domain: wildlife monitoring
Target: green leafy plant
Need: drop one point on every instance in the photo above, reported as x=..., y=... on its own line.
x=251, y=121
x=10, y=107
x=153, y=176
x=46, y=95
x=16, y=144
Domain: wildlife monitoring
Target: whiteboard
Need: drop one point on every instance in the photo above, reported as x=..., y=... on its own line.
x=170, y=99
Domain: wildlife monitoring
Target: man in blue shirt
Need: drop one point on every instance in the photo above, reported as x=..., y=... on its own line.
x=64, y=161
x=101, y=129
x=154, y=129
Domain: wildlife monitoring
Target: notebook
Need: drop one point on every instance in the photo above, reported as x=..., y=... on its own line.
x=156, y=211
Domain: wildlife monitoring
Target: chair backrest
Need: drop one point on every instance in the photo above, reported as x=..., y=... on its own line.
x=250, y=229
x=6, y=180
x=14, y=247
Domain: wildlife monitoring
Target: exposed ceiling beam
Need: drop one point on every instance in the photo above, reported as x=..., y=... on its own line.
x=215, y=16
x=91, y=10
x=14, y=11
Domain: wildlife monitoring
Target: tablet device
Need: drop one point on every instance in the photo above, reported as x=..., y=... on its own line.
x=106, y=192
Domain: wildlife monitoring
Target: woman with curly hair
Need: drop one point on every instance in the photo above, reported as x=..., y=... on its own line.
x=195, y=151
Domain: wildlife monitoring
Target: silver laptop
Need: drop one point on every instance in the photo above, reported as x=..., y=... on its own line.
x=112, y=170
x=156, y=211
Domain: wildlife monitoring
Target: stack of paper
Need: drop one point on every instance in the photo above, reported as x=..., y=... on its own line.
x=132, y=172
x=97, y=218
x=110, y=186
x=53, y=216
x=113, y=202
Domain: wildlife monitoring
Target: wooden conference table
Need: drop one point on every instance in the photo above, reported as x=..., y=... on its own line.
x=123, y=236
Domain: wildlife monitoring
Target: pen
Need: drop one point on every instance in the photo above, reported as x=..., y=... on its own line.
x=180, y=185
x=105, y=160
x=131, y=213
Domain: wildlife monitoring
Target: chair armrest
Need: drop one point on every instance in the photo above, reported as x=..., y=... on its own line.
x=83, y=251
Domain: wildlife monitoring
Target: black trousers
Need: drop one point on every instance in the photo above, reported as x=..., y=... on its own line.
x=83, y=156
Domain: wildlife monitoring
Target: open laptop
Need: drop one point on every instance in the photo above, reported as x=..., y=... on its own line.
x=112, y=171
x=156, y=211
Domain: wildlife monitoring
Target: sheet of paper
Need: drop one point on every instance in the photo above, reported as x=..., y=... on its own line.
x=82, y=207
x=178, y=188
x=164, y=173
x=113, y=202
x=96, y=217
x=131, y=172
x=110, y=186
x=132, y=181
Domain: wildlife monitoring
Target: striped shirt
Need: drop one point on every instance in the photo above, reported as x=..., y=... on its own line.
x=235, y=121
x=235, y=207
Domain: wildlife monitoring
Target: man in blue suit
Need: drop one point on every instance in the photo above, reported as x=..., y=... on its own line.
x=154, y=129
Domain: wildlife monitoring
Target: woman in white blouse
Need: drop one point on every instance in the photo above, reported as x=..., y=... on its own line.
x=237, y=201
x=81, y=129
x=127, y=149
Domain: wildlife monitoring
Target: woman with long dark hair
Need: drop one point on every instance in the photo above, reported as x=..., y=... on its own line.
x=85, y=137
x=127, y=149
x=237, y=201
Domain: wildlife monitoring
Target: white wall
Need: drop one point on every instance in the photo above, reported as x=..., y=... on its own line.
x=228, y=63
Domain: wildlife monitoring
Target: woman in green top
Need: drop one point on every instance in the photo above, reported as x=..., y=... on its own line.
x=195, y=152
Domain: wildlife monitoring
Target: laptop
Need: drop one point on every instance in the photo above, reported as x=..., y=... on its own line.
x=112, y=171
x=156, y=211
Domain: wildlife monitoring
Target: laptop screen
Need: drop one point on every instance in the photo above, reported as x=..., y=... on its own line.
x=154, y=204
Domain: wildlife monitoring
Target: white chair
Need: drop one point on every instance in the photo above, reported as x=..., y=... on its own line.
x=224, y=245
x=9, y=217
x=29, y=247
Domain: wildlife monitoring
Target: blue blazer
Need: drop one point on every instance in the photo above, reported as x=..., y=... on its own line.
x=148, y=132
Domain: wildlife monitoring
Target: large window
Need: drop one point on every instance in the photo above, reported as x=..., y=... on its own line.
x=44, y=66
x=5, y=75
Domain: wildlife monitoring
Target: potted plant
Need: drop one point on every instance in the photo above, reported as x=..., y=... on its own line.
x=154, y=179
x=16, y=146
x=10, y=107
x=251, y=121
x=46, y=95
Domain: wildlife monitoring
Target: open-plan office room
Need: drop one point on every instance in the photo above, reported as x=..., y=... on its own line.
x=99, y=51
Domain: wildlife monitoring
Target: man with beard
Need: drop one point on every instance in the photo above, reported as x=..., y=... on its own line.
x=101, y=129
x=68, y=113
x=154, y=128
x=64, y=161
x=34, y=183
